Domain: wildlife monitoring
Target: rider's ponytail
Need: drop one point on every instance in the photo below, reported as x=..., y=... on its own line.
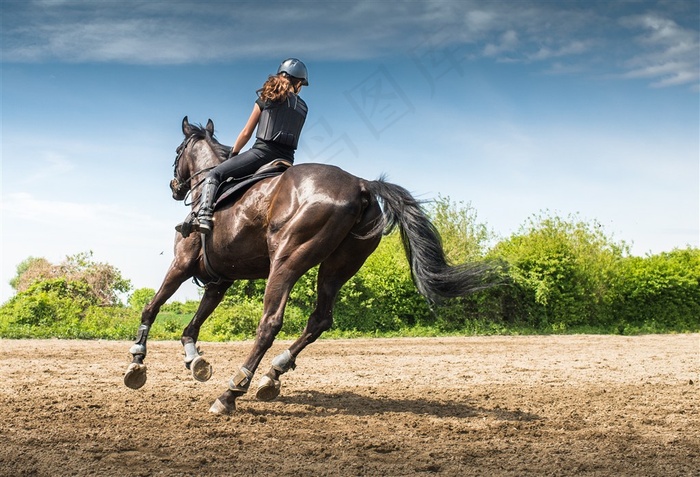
x=278, y=88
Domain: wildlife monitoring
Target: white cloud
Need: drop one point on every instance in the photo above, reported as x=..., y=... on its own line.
x=198, y=32
x=507, y=42
x=567, y=49
x=671, y=54
x=481, y=21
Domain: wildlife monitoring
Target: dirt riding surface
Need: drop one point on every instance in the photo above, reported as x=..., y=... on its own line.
x=557, y=405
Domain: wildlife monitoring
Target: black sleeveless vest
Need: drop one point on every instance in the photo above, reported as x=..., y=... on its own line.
x=282, y=122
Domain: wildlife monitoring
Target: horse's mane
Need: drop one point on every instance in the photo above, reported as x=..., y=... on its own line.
x=200, y=132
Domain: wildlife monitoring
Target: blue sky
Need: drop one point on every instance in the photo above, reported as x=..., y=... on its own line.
x=516, y=107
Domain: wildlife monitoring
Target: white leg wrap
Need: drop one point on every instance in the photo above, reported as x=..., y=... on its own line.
x=142, y=336
x=190, y=352
x=138, y=349
x=283, y=362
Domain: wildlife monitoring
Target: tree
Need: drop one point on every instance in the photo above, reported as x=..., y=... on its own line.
x=463, y=237
x=31, y=270
x=104, y=281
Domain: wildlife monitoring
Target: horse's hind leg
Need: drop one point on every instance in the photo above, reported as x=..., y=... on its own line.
x=313, y=236
x=200, y=367
x=135, y=376
x=277, y=290
x=333, y=273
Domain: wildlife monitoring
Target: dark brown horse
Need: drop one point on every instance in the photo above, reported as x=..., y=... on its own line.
x=280, y=228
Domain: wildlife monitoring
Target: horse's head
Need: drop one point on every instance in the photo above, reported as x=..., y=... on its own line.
x=192, y=160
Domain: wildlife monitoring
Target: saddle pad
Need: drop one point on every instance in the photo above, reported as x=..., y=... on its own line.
x=234, y=188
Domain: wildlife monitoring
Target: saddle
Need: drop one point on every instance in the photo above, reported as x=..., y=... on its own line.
x=233, y=188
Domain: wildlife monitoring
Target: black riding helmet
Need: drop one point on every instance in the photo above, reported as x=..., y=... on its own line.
x=296, y=69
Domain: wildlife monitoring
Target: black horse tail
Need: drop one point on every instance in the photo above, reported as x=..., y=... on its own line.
x=434, y=277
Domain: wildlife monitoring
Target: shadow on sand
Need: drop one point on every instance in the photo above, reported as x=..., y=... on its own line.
x=361, y=405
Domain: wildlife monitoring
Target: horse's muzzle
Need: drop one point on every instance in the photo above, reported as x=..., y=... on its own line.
x=179, y=189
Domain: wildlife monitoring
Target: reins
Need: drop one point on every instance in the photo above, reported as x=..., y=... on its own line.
x=189, y=192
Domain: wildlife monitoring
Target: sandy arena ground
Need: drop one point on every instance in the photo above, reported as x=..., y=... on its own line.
x=548, y=405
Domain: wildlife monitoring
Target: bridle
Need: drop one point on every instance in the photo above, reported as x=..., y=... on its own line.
x=180, y=187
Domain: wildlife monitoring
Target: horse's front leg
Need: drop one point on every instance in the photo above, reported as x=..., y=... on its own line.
x=180, y=270
x=135, y=376
x=200, y=367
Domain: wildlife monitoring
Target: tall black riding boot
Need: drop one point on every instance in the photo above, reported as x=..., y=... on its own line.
x=205, y=216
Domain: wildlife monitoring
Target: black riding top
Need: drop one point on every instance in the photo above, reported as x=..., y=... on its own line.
x=247, y=162
x=270, y=148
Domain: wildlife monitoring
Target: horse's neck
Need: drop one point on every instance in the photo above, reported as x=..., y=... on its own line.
x=203, y=161
x=204, y=157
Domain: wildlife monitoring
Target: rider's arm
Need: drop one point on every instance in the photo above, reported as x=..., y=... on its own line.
x=247, y=131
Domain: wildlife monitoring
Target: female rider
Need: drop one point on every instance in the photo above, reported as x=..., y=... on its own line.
x=278, y=114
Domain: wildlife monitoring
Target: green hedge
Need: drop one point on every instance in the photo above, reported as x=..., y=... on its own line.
x=561, y=275
x=659, y=292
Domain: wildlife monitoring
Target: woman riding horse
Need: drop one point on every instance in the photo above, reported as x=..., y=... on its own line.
x=278, y=114
x=312, y=214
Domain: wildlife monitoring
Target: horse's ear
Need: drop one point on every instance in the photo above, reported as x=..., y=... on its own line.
x=186, y=128
x=210, y=127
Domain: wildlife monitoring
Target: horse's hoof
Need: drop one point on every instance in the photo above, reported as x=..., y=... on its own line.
x=135, y=376
x=268, y=389
x=201, y=369
x=222, y=409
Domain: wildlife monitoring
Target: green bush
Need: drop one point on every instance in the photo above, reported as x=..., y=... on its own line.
x=188, y=307
x=463, y=237
x=49, y=302
x=562, y=274
x=61, y=308
x=104, y=281
x=381, y=297
x=660, y=292
x=140, y=298
x=109, y=323
x=231, y=321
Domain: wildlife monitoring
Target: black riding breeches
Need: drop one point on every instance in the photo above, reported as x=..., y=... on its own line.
x=240, y=166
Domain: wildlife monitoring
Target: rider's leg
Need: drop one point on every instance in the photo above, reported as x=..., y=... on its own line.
x=205, y=216
x=243, y=165
x=238, y=166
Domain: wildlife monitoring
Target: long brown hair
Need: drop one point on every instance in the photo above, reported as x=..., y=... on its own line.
x=278, y=87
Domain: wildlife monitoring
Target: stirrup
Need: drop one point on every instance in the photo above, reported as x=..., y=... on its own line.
x=185, y=228
x=195, y=224
x=203, y=225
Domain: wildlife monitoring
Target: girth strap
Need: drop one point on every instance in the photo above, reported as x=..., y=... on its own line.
x=215, y=278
